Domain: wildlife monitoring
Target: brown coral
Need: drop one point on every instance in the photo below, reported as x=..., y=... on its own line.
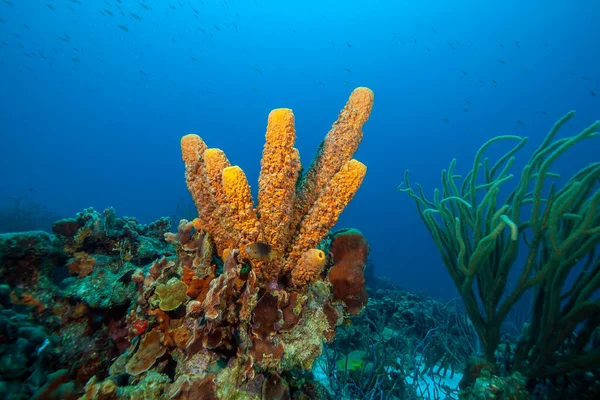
x=151, y=348
x=81, y=264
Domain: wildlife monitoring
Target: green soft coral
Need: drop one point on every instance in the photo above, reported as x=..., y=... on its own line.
x=478, y=234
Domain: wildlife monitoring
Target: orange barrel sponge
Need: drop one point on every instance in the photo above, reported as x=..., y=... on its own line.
x=350, y=251
x=309, y=267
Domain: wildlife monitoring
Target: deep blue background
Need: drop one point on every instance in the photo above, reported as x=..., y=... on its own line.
x=91, y=114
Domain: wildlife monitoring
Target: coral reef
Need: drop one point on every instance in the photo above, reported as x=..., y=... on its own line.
x=254, y=292
x=64, y=298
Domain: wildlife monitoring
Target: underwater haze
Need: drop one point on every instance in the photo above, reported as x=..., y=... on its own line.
x=96, y=95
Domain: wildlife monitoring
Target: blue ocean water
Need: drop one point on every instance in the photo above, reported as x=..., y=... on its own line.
x=95, y=96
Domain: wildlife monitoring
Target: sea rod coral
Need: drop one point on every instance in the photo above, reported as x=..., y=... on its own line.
x=243, y=309
x=480, y=233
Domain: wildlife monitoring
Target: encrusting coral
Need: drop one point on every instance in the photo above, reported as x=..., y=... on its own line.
x=248, y=301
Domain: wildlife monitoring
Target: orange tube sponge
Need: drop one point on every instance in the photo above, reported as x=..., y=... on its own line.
x=280, y=167
x=192, y=147
x=326, y=210
x=292, y=216
x=240, y=204
x=215, y=162
x=337, y=148
x=309, y=267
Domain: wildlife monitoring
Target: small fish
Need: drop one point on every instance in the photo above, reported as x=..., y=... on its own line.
x=260, y=251
x=520, y=122
x=257, y=70
x=133, y=15
x=463, y=71
x=147, y=7
x=592, y=93
x=349, y=45
x=50, y=7
x=446, y=120
x=108, y=12
x=124, y=28
x=501, y=61
x=494, y=81
x=348, y=70
x=194, y=58
x=322, y=83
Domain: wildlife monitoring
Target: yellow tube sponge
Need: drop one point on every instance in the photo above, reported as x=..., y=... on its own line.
x=309, y=267
x=280, y=167
x=292, y=215
x=326, y=210
x=337, y=148
x=192, y=147
x=215, y=162
x=241, y=208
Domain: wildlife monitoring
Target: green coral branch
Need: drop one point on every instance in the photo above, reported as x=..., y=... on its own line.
x=478, y=237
